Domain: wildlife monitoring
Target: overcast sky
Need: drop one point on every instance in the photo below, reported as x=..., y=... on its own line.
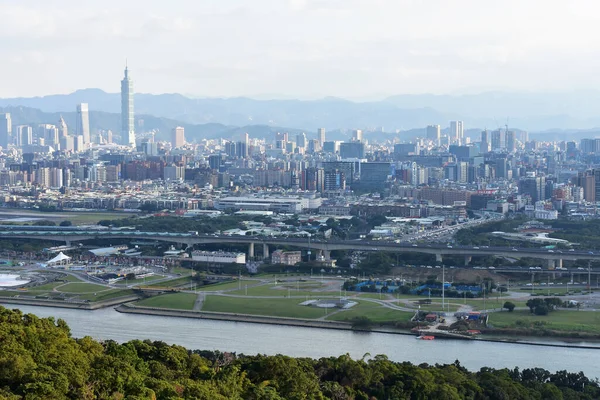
x=299, y=48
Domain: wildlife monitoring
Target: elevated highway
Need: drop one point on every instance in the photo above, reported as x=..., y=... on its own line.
x=553, y=257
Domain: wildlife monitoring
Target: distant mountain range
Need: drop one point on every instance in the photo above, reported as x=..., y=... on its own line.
x=558, y=115
x=105, y=120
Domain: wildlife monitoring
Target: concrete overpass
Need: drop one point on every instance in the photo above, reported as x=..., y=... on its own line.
x=554, y=258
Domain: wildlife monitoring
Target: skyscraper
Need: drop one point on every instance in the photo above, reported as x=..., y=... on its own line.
x=321, y=136
x=456, y=131
x=498, y=140
x=63, y=130
x=301, y=140
x=5, y=130
x=511, y=144
x=433, y=133
x=357, y=135
x=24, y=135
x=177, y=137
x=127, y=118
x=485, y=142
x=83, y=122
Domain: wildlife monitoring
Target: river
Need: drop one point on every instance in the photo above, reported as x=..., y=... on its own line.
x=251, y=338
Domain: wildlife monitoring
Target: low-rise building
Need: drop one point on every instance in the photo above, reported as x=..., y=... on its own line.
x=221, y=257
x=286, y=257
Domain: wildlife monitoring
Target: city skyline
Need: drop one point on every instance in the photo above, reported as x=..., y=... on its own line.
x=399, y=47
x=127, y=110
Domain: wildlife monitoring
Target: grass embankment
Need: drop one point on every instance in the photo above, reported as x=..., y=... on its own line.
x=173, y=282
x=228, y=285
x=561, y=320
x=374, y=312
x=80, y=288
x=137, y=281
x=106, y=295
x=268, y=307
x=179, y=301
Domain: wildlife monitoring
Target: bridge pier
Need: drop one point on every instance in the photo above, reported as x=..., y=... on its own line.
x=327, y=255
x=551, y=264
x=251, y=250
x=468, y=260
x=558, y=263
x=68, y=242
x=265, y=251
x=438, y=258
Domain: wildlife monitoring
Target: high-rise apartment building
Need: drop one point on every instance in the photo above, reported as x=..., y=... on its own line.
x=24, y=135
x=177, y=137
x=49, y=134
x=511, y=141
x=434, y=133
x=301, y=141
x=498, y=140
x=456, y=131
x=127, y=116
x=357, y=135
x=83, y=122
x=484, y=147
x=63, y=131
x=321, y=136
x=5, y=130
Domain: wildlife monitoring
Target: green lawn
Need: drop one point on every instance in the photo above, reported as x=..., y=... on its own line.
x=180, y=301
x=269, y=307
x=173, y=282
x=106, y=295
x=81, y=288
x=228, y=285
x=278, y=291
x=45, y=288
x=561, y=320
x=71, y=278
x=11, y=293
x=375, y=312
x=142, y=280
x=543, y=291
x=436, y=306
x=382, y=296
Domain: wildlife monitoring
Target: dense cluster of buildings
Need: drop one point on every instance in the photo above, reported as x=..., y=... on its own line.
x=442, y=171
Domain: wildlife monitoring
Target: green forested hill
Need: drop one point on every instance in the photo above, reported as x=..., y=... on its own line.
x=40, y=360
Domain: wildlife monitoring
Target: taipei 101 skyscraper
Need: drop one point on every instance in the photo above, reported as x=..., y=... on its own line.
x=127, y=118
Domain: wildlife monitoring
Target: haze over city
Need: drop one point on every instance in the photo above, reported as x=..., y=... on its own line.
x=299, y=199
x=300, y=48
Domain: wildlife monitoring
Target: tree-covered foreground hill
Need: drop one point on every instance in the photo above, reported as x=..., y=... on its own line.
x=40, y=360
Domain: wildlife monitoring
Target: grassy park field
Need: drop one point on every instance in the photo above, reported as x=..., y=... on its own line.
x=373, y=311
x=179, y=301
x=561, y=320
x=269, y=307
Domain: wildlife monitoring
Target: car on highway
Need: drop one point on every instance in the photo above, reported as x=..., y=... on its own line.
x=475, y=248
x=514, y=249
x=550, y=251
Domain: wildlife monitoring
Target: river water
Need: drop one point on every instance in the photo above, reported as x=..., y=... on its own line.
x=251, y=338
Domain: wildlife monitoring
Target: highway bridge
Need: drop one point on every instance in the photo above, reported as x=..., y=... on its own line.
x=554, y=258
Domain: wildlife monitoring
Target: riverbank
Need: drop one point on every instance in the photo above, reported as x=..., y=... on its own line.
x=72, y=305
x=129, y=308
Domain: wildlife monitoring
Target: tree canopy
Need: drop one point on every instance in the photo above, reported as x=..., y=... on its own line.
x=39, y=359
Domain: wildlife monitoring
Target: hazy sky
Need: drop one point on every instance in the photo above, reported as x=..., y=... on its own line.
x=299, y=48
